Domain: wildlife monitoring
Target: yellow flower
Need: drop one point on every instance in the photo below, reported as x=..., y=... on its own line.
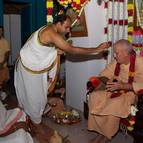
x=130, y=128
x=131, y=74
x=49, y=4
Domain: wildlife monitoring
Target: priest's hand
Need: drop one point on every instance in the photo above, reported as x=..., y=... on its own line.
x=104, y=46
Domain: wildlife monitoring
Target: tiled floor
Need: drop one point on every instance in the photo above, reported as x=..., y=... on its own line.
x=78, y=133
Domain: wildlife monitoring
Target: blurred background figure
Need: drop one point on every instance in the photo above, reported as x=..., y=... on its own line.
x=4, y=54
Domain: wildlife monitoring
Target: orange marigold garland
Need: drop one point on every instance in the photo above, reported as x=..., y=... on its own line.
x=130, y=74
x=130, y=121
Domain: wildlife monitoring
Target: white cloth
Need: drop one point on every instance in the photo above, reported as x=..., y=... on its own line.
x=10, y=117
x=32, y=89
x=35, y=55
x=3, y=95
x=20, y=136
x=7, y=119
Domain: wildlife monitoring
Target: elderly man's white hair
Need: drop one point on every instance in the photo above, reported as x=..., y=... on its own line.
x=126, y=45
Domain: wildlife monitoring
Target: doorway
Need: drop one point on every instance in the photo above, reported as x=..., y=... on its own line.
x=21, y=18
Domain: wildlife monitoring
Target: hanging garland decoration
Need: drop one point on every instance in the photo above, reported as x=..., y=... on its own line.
x=138, y=30
x=130, y=121
x=49, y=7
x=135, y=33
x=79, y=14
x=130, y=9
x=76, y=5
x=138, y=39
x=139, y=10
x=116, y=22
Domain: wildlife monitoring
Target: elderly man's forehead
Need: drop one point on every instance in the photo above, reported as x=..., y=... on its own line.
x=117, y=45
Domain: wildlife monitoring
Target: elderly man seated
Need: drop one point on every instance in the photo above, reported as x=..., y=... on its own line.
x=123, y=80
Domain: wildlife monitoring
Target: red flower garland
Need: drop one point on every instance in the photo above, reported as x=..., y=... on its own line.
x=131, y=73
x=130, y=121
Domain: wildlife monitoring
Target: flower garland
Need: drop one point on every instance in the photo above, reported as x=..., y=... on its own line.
x=116, y=22
x=49, y=7
x=130, y=121
x=135, y=35
x=138, y=32
x=139, y=13
x=138, y=39
x=131, y=74
x=130, y=9
x=131, y=68
x=76, y=5
x=95, y=81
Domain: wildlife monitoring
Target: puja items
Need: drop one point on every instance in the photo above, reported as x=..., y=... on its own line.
x=67, y=117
